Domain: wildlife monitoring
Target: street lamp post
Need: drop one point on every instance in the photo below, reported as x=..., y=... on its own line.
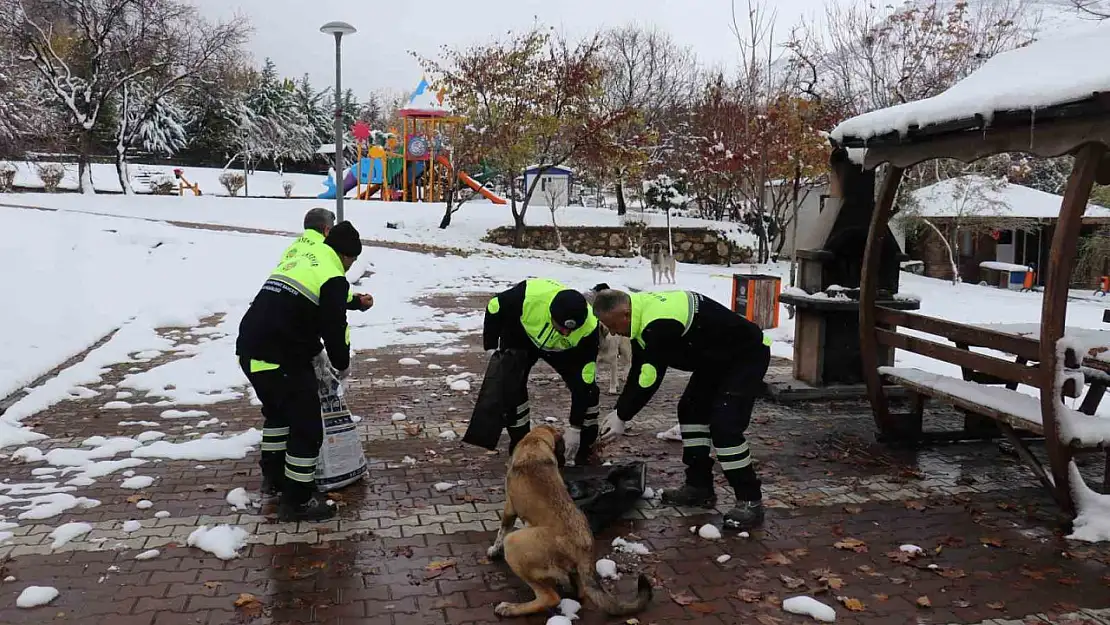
x=338, y=29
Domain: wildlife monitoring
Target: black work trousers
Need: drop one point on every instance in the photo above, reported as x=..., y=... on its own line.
x=584, y=398
x=713, y=413
x=292, y=431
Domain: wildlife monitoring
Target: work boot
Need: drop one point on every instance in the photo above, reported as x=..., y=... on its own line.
x=689, y=496
x=745, y=515
x=271, y=485
x=315, y=508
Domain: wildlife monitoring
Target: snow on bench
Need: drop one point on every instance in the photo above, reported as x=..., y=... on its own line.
x=1019, y=410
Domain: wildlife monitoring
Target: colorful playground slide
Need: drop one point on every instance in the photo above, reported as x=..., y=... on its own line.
x=477, y=186
x=472, y=183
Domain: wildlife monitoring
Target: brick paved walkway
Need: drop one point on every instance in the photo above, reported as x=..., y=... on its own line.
x=840, y=509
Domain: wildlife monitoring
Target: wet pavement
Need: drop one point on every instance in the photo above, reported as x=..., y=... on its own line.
x=400, y=552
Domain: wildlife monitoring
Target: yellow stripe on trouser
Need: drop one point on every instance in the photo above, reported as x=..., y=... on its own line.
x=300, y=469
x=736, y=457
x=695, y=435
x=262, y=365
x=523, y=416
x=274, y=439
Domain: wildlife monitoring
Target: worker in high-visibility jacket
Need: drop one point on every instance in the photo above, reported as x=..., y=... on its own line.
x=728, y=357
x=550, y=321
x=304, y=301
x=318, y=222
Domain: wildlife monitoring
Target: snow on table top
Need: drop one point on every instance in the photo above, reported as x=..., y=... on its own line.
x=1052, y=71
x=1008, y=199
x=1001, y=266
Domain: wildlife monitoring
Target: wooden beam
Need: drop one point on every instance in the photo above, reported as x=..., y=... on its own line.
x=1003, y=369
x=1022, y=346
x=869, y=284
x=1054, y=306
x=1031, y=461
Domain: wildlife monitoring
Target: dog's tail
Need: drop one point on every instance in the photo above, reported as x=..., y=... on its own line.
x=607, y=602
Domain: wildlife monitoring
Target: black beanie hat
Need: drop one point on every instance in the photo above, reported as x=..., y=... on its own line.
x=344, y=239
x=569, y=309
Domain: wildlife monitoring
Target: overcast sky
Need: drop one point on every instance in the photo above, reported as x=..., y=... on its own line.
x=378, y=55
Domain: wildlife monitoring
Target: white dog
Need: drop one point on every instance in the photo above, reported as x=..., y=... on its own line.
x=662, y=265
x=614, y=352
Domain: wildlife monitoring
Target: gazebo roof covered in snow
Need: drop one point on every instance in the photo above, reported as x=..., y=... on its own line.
x=426, y=101
x=1062, y=82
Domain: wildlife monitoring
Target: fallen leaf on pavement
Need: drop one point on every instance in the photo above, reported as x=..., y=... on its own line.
x=901, y=556
x=951, y=573
x=412, y=429
x=960, y=603
x=632, y=621
x=1030, y=573
x=923, y=602
x=991, y=541
x=748, y=595
x=996, y=605
x=881, y=597
x=683, y=598
x=851, y=544
x=777, y=558
x=793, y=583
x=435, y=569
x=702, y=608
x=853, y=509
x=855, y=605
x=135, y=498
x=245, y=599
x=798, y=553
x=914, y=505
x=953, y=541
x=1068, y=581
x=213, y=584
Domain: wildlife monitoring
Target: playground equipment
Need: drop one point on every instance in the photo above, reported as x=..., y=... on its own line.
x=183, y=184
x=418, y=172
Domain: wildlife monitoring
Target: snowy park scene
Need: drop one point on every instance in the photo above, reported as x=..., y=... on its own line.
x=726, y=312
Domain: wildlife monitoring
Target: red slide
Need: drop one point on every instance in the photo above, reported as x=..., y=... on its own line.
x=472, y=183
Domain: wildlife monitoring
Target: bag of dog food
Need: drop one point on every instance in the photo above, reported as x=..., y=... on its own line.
x=341, y=461
x=502, y=379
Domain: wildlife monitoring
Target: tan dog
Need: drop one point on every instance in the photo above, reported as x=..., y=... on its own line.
x=556, y=547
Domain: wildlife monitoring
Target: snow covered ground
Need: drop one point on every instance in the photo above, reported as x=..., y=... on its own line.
x=415, y=222
x=82, y=276
x=106, y=180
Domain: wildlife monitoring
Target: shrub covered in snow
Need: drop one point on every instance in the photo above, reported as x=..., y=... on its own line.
x=51, y=175
x=287, y=186
x=665, y=193
x=163, y=184
x=233, y=181
x=7, y=177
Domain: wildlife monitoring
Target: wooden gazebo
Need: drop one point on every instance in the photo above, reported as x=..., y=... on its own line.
x=1049, y=99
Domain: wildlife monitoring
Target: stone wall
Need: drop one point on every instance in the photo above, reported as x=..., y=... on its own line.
x=691, y=245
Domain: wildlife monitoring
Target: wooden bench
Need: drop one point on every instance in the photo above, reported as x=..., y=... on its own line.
x=987, y=393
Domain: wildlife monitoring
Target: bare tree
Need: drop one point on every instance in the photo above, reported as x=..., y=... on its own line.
x=1097, y=9
x=178, y=47
x=556, y=198
x=88, y=50
x=644, y=71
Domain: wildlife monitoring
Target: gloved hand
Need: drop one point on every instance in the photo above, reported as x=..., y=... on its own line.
x=342, y=373
x=572, y=438
x=610, y=427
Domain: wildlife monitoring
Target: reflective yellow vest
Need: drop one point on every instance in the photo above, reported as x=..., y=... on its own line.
x=536, y=317
x=309, y=241
x=309, y=271
x=647, y=307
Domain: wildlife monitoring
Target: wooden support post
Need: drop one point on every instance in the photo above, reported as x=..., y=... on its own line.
x=869, y=284
x=1054, y=309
